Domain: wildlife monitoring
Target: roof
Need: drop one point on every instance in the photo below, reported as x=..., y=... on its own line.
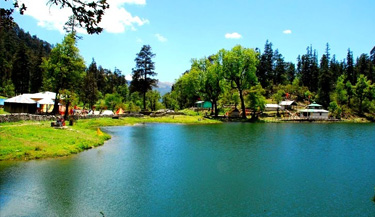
x=41, y=95
x=46, y=101
x=197, y=102
x=20, y=99
x=314, y=104
x=272, y=106
x=288, y=102
x=314, y=110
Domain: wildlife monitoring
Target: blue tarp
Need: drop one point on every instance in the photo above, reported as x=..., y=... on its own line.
x=2, y=102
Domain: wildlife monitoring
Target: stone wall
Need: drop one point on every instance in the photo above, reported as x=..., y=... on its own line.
x=30, y=117
x=26, y=117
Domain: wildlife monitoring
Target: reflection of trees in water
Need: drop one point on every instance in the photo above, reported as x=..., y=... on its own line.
x=60, y=187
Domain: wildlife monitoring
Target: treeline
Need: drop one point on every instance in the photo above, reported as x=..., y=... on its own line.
x=20, y=57
x=30, y=65
x=250, y=76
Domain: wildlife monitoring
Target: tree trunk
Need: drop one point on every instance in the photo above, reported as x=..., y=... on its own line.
x=55, y=110
x=144, y=101
x=66, y=110
x=216, y=111
x=242, y=105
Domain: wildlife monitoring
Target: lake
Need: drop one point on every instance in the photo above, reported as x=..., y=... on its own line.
x=234, y=169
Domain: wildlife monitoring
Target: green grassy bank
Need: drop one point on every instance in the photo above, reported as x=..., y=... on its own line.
x=35, y=140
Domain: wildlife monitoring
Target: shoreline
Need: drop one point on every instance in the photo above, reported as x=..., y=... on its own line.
x=22, y=141
x=28, y=140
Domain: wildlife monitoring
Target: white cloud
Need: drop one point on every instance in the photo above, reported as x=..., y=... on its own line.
x=287, y=31
x=139, y=40
x=160, y=37
x=115, y=20
x=128, y=77
x=233, y=35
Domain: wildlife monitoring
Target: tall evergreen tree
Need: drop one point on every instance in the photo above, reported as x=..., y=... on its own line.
x=309, y=69
x=265, y=67
x=36, y=81
x=364, y=66
x=350, y=73
x=89, y=92
x=143, y=72
x=279, y=69
x=325, y=81
x=21, y=70
x=290, y=72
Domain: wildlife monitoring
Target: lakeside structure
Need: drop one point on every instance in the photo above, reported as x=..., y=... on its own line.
x=314, y=111
x=31, y=103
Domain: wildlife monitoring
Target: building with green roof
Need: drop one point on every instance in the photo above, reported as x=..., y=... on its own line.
x=314, y=111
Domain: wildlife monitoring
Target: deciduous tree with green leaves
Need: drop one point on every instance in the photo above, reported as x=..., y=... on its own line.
x=64, y=68
x=239, y=67
x=211, y=78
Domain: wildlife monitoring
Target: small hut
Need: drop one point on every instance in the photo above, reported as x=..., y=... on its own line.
x=235, y=113
x=288, y=104
x=20, y=104
x=272, y=107
x=203, y=104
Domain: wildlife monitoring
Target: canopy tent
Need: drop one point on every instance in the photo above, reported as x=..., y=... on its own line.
x=46, y=101
x=20, y=104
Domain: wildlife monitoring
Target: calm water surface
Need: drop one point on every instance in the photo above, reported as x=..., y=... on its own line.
x=211, y=170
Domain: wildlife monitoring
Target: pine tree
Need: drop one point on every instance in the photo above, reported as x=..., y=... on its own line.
x=143, y=72
x=36, y=80
x=350, y=73
x=90, y=93
x=265, y=66
x=279, y=69
x=21, y=70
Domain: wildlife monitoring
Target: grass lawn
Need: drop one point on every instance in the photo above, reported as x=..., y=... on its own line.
x=2, y=111
x=34, y=140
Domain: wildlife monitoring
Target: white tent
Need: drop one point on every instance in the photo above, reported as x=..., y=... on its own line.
x=20, y=104
x=20, y=99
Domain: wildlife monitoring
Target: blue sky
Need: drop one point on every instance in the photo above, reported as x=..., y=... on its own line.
x=181, y=30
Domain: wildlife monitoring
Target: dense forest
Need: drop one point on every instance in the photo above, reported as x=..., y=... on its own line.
x=343, y=86
x=243, y=77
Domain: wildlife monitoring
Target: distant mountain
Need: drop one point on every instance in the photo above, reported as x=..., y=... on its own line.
x=164, y=87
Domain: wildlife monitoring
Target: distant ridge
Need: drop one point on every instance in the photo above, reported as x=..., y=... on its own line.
x=164, y=87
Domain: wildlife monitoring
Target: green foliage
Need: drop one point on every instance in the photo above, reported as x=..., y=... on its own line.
x=239, y=67
x=112, y=100
x=326, y=80
x=64, y=67
x=256, y=100
x=87, y=14
x=335, y=109
x=278, y=97
x=170, y=101
x=210, y=71
x=340, y=93
x=187, y=88
x=362, y=91
x=143, y=72
x=90, y=91
x=153, y=97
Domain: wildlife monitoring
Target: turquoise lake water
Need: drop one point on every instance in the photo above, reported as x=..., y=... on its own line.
x=233, y=169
